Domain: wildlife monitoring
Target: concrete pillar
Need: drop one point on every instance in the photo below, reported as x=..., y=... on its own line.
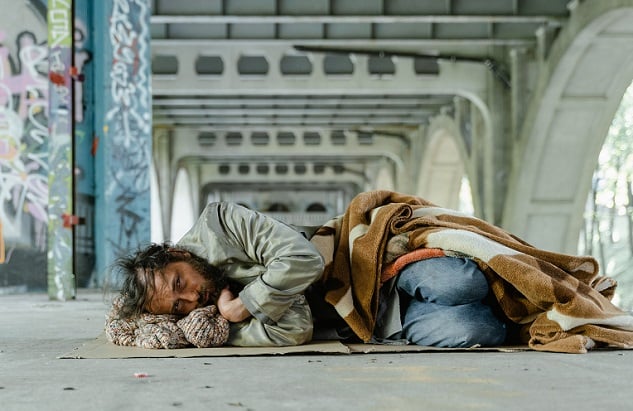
x=518, y=90
x=194, y=180
x=162, y=162
x=61, y=277
x=498, y=101
x=478, y=162
x=83, y=116
x=123, y=126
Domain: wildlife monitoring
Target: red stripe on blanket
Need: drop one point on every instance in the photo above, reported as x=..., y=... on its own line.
x=394, y=268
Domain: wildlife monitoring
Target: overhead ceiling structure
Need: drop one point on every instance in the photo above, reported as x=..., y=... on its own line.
x=275, y=95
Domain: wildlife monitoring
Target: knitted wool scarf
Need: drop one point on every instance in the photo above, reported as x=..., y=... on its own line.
x=203, y=327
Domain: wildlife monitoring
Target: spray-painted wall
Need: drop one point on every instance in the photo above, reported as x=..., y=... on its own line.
x=24, y=165
x=123, y=124
x=112, y=145
x=85, y=145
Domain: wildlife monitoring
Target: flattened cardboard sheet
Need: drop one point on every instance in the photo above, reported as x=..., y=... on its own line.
x=101, y=348
x=386, y=348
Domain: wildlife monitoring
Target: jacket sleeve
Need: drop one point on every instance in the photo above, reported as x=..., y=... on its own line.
x=285, y=261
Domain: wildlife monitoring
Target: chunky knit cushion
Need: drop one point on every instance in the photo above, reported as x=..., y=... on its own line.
x=203, y=327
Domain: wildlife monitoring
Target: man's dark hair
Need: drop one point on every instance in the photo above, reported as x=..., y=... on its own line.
x=140, y=268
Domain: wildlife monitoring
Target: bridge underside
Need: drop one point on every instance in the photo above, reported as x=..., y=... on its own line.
x=302, y=98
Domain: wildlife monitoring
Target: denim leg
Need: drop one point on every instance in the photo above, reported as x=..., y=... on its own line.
x=446, y=308
x=444, y=280
x=463, y=325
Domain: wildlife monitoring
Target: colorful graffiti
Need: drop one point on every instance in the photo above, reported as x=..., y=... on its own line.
x=61, y=278
x=82, y=56
x=28, y=125
x=23, y=142
x=84, y=171
x=127, y=125
x=25, y=161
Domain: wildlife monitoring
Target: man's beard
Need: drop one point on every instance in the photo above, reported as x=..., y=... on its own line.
x=213, y=281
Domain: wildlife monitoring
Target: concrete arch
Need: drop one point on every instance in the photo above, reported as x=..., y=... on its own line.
x=183, y=215
x=443, y=164
x=587, y=73
x=477, y=160
x=384, y=179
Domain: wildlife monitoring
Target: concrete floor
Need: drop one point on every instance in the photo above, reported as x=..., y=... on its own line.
x=34, y=331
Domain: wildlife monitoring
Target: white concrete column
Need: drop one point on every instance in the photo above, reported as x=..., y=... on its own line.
x=193, y=169
x=164, y=175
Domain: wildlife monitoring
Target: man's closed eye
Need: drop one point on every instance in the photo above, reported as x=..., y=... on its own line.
x=176, y=307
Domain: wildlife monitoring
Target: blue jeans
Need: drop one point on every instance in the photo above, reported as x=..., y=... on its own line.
x=446, y=306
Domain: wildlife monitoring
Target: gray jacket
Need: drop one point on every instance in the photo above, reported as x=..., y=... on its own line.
x=273, y=262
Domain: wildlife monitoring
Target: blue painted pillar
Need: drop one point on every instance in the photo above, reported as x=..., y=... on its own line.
x=83, y=113
x=123, y=128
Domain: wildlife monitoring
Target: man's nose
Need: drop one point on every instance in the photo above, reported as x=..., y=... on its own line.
x=190, y=296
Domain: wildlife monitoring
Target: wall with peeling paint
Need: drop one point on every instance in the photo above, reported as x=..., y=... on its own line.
x=85, y=145
x=24, y=164
x=123, y=125
x=112, y=144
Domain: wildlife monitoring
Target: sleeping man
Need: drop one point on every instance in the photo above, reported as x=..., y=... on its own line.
x=394, y=268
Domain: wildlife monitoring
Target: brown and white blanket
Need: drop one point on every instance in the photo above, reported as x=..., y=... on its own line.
x=561, y=299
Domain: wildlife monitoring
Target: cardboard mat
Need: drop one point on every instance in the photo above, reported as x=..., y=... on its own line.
x=101, y=348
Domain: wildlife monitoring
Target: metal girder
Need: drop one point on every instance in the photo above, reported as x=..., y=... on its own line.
x=285, y=112
x=255, y=102
x=352, y=19
x=261, y=68
x=446, y=44
x=190, y=145
x=453, y=77
x=344, y=8
x=314, y=100
x=349, y=121
x=322, y=111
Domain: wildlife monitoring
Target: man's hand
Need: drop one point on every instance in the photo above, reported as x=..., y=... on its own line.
x=231, y=307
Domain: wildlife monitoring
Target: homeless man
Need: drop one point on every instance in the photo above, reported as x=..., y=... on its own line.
x=394, y=267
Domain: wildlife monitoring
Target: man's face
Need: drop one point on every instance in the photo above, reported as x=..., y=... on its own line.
x=179, y=290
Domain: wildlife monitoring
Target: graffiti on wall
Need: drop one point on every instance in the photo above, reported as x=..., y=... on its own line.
x=82, y=56
x=128, y=123
x=61, y=280
x=26, y=161
x=23, y=142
